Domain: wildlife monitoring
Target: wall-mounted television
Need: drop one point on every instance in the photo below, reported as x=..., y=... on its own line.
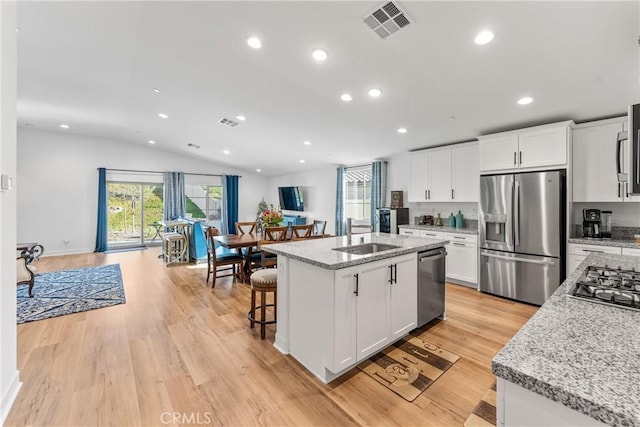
x=291, y=198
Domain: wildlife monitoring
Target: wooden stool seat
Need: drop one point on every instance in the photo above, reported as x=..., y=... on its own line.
x=174, y=247
x=263, y=281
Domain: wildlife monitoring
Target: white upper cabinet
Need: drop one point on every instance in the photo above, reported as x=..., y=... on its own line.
x=526, y=149
x=595, y=175
x=445, y=174
x=465, y=176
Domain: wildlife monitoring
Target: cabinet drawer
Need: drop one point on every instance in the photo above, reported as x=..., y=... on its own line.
x=631, y=251
x=463, y=238
x=432, y=234
x=409, y=232
x=578, y=249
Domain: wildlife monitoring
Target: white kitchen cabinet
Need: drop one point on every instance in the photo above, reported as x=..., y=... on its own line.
x=526, y=149
x=370, y=310
x=445, y=174
x=631, y=251
x=465, y=173
x=595, y=175
x=462, y=259
x=409, y=232
x=432, y=234
x=578, y=252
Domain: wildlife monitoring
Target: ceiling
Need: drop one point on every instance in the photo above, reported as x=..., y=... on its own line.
x=93, y=65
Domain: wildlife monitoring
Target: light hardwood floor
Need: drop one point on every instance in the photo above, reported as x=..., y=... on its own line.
x=178, y=346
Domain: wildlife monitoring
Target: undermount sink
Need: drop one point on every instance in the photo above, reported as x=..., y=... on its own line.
x=366, y=248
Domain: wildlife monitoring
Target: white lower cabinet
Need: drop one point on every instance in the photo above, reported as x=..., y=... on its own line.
x=409, y=232
x=462, y=258
x=631, y=251
x=375, y=304
x=578, y=252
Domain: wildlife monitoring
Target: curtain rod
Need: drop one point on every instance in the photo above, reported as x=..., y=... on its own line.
x=186, y=173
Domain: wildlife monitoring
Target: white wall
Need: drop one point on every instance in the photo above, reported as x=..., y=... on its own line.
x=319, y=194
x=9, y=378
x=58, y=180
x=398, y=174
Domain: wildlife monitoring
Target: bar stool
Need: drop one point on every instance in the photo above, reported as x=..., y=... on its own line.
x=263, y=281
x=174, y=247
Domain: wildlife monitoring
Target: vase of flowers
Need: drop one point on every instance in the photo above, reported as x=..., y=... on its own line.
x=271, y=218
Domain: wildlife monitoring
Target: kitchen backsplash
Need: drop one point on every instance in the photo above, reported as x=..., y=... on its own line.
x=469, y=210
x=624, y=214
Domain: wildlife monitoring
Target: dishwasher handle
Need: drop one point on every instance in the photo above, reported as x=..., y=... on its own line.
x=432, y=256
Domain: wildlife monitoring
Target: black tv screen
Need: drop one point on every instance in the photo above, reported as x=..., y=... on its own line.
x=291, y=198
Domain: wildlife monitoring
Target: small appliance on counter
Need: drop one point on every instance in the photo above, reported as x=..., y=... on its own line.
x=591, y=223
x=388, y=219
x=605, y=224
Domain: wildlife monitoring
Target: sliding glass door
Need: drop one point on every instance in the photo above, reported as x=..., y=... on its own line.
x=134, y=211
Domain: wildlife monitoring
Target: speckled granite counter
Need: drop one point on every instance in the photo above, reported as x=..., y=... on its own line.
x=583, y=355
x=441, y=228
x=605, y=242
x=319, y=252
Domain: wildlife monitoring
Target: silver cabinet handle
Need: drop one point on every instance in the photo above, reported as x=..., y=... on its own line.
x=592, y=250
x=425, y=194
x=429, y=193
x=457, y=237
x=520, y=158
x=357, y=284
x=514, y=158
x=619, y=190
x=459, y=244
x=452, y=197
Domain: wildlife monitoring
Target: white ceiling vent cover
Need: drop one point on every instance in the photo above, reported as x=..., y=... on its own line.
x=228, y=122
x=387, y=19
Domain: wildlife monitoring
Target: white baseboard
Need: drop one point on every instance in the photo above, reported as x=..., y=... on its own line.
x=9, y=397
x=73, y=252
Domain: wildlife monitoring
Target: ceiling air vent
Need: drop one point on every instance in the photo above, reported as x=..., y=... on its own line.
x=387, y=19
x=228, y=122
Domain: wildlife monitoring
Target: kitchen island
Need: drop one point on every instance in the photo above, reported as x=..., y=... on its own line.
x=575, y=362
x=338, y=307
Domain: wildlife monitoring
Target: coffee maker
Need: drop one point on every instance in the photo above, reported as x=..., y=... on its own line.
x=591, y=223
x=605, y=224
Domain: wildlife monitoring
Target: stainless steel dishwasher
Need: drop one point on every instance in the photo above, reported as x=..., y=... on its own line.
x=431, y=278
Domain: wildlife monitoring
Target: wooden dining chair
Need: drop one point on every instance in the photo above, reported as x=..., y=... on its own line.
x=221, y=262
x=276, y=233
x=319, y=227
x=301, y=231
x=248, y=227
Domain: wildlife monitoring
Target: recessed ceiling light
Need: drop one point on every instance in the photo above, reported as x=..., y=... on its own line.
x=63, y=126
x=17, y=29
x=319, y=54
x=301, y=161
x=225, y=151
x=156, y=90
x=163, y=116
x=241, y=118
x=306, y=142
x=525, y=100
x=374, y=93
x=452, y=117
x=346, y=97
x=402, y=130
x=258, y=170
x=151, y=141
x=254, y=42
x=483, y=37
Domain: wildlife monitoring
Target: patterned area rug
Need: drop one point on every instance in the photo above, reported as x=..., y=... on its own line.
x=409, y=366
x=71, y=291
x=484, y=414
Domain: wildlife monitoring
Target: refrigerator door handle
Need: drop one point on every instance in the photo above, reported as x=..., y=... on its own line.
x=511, y=258
x=516, y=214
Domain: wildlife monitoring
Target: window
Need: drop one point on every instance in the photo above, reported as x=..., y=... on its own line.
x=357, y=193
x=205, y=202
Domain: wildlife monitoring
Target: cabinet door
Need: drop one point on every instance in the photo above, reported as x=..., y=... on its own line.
x=465, y=173
x=462, y=262
x=404, y=294
x=344, y=328
x=419, y=176
x=595, y=176
x=440, y=175
x=574, y=262
x=432, y=234
x=372, y=312
x=631, y=251
x=547, y=147
x=409, y=232
x=498, y=153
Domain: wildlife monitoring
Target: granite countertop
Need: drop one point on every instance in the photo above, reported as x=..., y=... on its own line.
x=605, y=242
x=440, y=228
x=319, y=252
x=581, y=354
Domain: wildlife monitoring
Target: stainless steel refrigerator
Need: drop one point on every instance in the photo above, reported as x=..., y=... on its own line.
x=522, y=234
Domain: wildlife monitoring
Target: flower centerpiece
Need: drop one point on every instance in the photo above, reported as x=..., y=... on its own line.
x=271, y=218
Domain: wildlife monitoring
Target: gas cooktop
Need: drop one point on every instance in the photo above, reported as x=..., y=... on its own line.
x=607, y=285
